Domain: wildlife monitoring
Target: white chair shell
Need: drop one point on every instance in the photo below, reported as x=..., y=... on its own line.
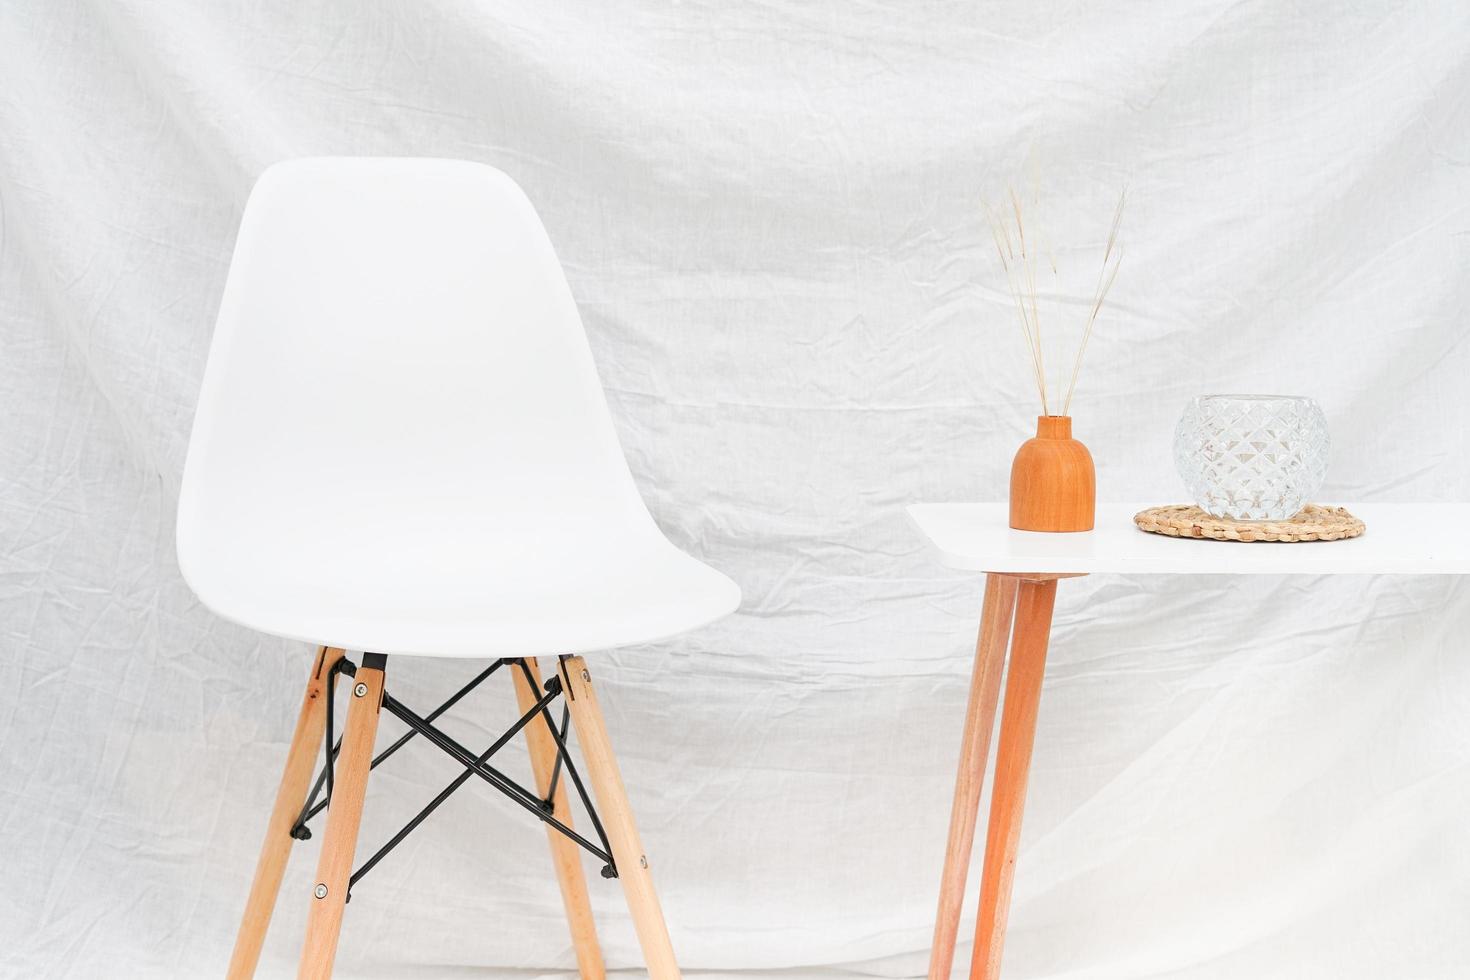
x=401, y=443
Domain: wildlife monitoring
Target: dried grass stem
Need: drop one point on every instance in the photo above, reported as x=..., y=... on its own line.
x=1018, y=259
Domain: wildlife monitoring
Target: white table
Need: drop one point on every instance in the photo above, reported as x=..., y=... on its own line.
x=1022, y=569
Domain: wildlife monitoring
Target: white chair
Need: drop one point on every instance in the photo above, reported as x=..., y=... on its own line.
x=402, y=447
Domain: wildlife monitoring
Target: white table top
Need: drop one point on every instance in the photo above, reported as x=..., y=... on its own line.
x=1405, y=539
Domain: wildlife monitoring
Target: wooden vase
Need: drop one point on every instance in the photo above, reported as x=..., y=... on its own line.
x=1053, y=483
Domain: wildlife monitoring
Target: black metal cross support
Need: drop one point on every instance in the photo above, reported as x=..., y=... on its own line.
x=475, y=764
x=563, y=758
x=566, y=721
x=300, y=831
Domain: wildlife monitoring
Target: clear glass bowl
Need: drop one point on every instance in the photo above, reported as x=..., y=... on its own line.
x=1252, y=457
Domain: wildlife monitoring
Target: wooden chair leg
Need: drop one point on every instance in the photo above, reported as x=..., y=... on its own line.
x=566, y=855
x=270, y=867
x=617, y=819
x=990, y=658
x=334, y=869
x=1012, y=767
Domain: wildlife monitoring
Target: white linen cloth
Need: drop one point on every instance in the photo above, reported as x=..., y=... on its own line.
x=769, y=214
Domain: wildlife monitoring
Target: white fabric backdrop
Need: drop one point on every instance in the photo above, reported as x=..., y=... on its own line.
x=769, y=215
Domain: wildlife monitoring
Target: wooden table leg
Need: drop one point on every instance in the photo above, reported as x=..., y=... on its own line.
x=566, y=855
x=1012, y=766
x=334, y=868
x=290, y=797
x=990, y=657
x=617, y=818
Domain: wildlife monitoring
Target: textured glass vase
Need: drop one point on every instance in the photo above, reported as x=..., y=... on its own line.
x=1252, y=457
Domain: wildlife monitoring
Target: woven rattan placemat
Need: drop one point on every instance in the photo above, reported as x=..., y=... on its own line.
x=1314, y=523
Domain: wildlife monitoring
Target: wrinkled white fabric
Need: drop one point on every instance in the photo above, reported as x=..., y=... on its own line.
x=769, y=215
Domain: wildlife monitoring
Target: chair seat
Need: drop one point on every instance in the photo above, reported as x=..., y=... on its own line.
x=401, y=444
x=399, y=596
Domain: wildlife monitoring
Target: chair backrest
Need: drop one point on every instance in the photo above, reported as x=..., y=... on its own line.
x=397, y=353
